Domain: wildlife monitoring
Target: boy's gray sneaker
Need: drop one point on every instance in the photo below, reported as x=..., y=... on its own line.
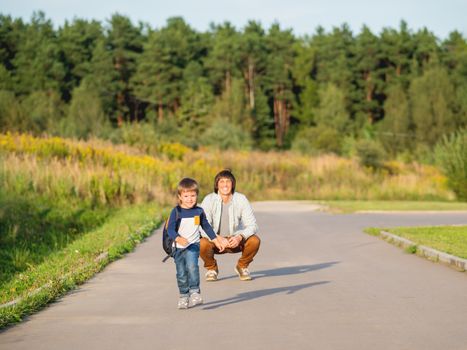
x=243, y=273
x=183, y=303
x=211, y=275
x=195, y=299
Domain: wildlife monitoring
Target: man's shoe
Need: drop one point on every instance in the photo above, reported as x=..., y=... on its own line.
x=211, y=275
x=243, y=273
x=195, y=299
x=183, y=303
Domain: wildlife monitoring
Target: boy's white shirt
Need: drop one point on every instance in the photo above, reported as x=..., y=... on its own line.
x=242, y=219
x=189, y=231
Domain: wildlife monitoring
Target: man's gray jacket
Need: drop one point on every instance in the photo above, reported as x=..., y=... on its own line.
x=241, y=218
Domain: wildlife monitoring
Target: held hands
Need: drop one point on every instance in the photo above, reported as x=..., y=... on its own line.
x=234, y=241
x=221, y=243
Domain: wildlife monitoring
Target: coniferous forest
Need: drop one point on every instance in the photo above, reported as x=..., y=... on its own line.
x=396, y=92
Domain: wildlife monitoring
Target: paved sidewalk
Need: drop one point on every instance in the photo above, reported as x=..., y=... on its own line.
x=320, y=283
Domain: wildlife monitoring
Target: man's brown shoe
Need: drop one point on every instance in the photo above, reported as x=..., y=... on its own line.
x=243, y=273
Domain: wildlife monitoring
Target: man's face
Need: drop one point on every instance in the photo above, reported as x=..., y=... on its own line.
x=224, y=186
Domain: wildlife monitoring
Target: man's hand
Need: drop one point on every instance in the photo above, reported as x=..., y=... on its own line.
x=220, y=243
x=234, y=241
x=181, y=240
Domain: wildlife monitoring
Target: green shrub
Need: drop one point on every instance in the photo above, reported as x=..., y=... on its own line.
x=370, y=153
x=317, y=139
x=451, y=157
x=224, y=135
x=135, y=134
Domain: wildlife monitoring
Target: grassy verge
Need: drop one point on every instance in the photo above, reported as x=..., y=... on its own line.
x=32, y=227
x=448, y=239
x=77, y=262
x=355, y=206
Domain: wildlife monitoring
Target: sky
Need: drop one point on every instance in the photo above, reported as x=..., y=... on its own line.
x=302, y=16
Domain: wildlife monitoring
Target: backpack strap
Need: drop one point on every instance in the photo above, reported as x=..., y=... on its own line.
x=178, y=214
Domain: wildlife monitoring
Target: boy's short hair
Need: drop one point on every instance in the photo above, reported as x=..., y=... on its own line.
x=186, y=185
x=224, y=174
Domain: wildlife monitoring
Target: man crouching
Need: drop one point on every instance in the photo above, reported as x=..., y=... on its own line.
x=231, y=216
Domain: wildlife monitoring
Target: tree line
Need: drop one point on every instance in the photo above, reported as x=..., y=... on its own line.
x=253, y=87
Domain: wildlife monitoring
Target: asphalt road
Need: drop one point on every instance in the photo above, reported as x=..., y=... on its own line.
x=319, y=283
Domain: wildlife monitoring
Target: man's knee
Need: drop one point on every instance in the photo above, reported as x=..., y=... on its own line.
x=253, y=242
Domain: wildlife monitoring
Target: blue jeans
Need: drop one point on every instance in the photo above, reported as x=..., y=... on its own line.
x=186, y=262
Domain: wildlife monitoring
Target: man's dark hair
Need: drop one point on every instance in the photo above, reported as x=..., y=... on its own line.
x=224, y=174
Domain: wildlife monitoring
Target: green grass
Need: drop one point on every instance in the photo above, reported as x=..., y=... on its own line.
x=448, y=239
x=355, y=206
x=33, y=226
x=74, y=264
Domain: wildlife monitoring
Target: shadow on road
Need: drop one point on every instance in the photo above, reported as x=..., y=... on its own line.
x=292, y=270
x=259, y=294
x=284, y=271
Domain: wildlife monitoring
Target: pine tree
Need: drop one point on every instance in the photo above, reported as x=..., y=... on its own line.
x=12, y=117
x=197, y=99
x=223, y=58
x=432, y=98
x=394, y=130
x=44, y=111
x=85, y=116
x=126, y=43
x=368, y=76
x=158, y=80
x=426, y=47
x=37, y=63
x=454, y=57
x=334, y=63
x=77, y=42
x=398, y=50
x=331, y=111
x=306, y=87
x=104, y=79
x=279, y=78
x=10, y=38
x=253, y=56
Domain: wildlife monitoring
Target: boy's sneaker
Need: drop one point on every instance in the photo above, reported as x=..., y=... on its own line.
x=195, y=299
x=183, y=303
x=211, y=275
x=243, y=273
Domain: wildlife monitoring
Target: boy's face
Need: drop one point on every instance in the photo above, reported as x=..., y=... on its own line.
x=224, y=186
x=188, y=199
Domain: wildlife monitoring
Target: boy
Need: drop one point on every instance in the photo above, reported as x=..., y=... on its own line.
x=187, y=237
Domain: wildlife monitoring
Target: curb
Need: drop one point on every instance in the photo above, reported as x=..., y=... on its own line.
x=429, y=253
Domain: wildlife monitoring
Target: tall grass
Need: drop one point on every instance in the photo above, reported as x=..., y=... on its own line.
x=275, y=175
x=100, y=173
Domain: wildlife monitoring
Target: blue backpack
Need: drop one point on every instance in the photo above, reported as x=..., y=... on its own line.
x=167, y=242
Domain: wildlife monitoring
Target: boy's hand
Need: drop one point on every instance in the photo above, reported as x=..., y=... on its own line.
x=181, y=240
x=219, y=243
